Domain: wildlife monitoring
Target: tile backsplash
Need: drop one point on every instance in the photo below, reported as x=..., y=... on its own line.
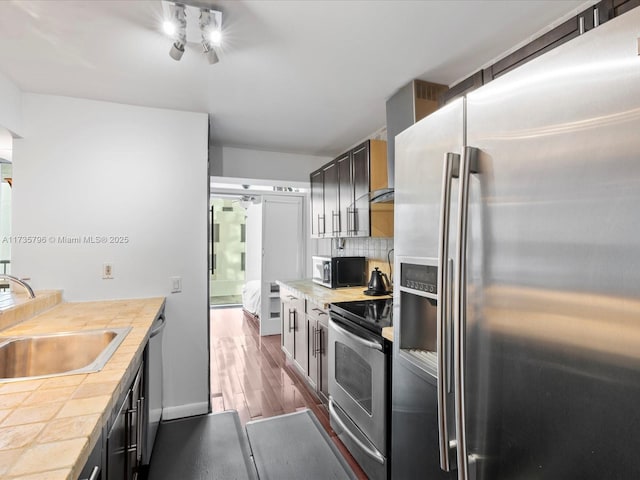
x=372, y=248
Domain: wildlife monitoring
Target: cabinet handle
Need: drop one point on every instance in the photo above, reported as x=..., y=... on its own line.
x=313, y=341
x=320, y=312
x=335, y=215
x=94, y=473
x=319, y=342
x=319, y=224
x=139, y=427
x=354, y=223
x=290, y=312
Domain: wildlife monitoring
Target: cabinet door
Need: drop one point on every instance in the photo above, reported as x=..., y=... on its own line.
x=93, y=468
x=300, y=337
x=331, y=212
x=317, y=203
x=360, y=158
x=312, y=353
x=117, y=443
x=135, y=427
x=323, y=356
x=345, y=196
x=287, y=315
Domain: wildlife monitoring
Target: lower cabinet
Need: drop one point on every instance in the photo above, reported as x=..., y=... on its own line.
x=294, y=328
x=305, y=340
x=93, y=469
x=317, y=325
x=125, y=433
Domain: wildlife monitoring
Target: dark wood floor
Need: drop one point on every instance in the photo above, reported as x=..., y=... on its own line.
x=250, y=374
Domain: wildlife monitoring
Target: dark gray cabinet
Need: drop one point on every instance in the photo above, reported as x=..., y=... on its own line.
x=359, y=226
x=331, y=211
x=340, y=194
x=345, y=194
x=317, y=204
x=93, y=468
x=125, y=433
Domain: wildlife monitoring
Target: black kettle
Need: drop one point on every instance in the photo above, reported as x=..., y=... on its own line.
x=378, y=283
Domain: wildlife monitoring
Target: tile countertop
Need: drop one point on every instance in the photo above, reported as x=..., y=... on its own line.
x=48, y=427
x=324, y=296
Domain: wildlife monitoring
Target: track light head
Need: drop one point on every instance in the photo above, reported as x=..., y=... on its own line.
x=177, y=50
x=210, y=53
x=178, y=27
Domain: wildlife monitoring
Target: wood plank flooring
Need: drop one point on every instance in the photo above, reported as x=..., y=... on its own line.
x=250, y=374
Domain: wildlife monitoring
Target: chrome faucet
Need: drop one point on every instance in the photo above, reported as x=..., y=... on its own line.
x=22, y=283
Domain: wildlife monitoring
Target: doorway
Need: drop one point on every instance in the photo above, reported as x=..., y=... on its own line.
x=227, y=250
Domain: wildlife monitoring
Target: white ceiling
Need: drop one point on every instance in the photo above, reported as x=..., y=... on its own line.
x=295, y=76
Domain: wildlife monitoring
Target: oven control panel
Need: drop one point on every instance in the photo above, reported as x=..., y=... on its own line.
x=423, y=278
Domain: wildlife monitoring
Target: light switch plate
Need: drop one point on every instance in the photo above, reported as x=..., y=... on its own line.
x=176, y=284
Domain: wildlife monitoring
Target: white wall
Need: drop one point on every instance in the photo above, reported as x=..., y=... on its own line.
x=10, y=106
x=253, y=259
x=246, y=163
x=94, y=168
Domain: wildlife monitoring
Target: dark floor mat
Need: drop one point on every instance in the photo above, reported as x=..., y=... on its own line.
x=295, y=446
x=208, y=447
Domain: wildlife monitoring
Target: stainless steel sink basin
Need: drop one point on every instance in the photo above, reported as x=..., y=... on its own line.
x=39, y=356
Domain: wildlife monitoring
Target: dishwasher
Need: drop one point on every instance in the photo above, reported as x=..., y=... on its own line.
x=154, y=384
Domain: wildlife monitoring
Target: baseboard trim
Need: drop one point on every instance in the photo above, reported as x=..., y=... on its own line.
x=181, y=411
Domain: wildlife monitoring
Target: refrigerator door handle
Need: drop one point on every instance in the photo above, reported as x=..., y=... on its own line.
x=468, y=166
x=450, y=171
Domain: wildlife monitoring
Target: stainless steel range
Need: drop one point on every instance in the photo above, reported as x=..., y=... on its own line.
x=359, y=379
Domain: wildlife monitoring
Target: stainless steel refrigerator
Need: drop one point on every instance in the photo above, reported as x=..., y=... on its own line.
x=517, y=273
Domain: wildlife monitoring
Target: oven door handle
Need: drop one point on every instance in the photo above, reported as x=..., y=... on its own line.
x=372, y=452
x=355, y=338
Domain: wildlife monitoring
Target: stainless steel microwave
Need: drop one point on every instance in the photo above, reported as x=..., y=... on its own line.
x=337, y=272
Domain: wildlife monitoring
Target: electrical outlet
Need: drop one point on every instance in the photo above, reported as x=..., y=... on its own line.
x=176, y=284
x=107, y=271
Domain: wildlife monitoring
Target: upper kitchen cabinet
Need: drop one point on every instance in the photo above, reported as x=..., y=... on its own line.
x=317, y=203
x=332, y=215
x=340, y=194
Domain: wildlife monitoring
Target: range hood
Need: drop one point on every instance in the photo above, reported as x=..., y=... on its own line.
x=411, y=103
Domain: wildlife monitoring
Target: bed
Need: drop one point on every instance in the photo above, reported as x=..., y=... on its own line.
x=251, y=299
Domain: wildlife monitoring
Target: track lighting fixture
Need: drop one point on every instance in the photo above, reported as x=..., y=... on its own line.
x=190, y=24
x=207, y=26
x=180, y=29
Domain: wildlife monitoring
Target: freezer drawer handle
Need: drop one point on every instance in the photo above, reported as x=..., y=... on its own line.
x=372, y=452
x=355, y=338
x=468, y=166
x=450, y=171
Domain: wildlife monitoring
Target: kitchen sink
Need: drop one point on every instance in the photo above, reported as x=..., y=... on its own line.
x=50, y=355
